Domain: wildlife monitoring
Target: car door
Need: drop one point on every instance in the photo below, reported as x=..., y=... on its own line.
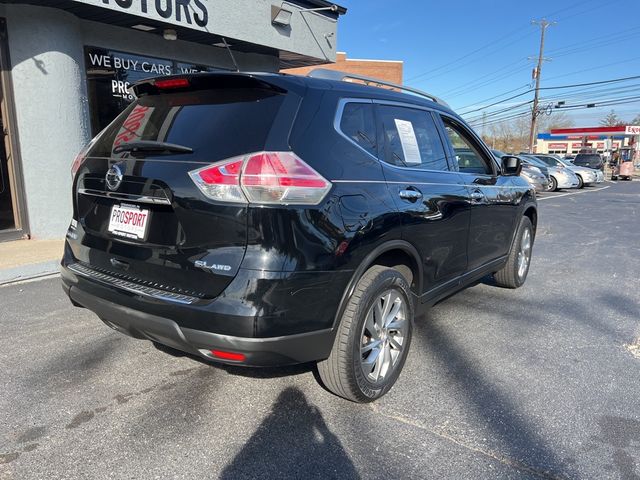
x=494, y=200
x=431, y=198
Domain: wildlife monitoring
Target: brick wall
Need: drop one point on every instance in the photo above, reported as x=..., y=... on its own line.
x=389, y=70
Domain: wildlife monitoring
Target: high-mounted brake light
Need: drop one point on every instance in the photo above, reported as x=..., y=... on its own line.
x=262, y=178
x=172, y=83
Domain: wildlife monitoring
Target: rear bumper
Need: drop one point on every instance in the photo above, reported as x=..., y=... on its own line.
x=272, y=318
x=565, y=181
x=539, y=185
x=273, y=351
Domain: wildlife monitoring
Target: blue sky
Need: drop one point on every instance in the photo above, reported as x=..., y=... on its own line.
x=467, y=51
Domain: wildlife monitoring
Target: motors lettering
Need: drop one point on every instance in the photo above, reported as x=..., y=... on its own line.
x=188, y=11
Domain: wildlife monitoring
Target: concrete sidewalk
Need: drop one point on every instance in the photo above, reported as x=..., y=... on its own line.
x=25, y=259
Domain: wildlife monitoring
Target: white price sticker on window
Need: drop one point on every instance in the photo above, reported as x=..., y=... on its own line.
x=409, y=142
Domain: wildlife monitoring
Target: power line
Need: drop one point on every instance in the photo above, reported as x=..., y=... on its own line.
x=494, y=97
x=601, y=82
x=600, y=67
x=485, y=80
x=453, y=62
x=589, y=105
x=596, y=39
x=428, y=74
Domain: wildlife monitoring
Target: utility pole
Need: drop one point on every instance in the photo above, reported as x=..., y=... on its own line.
x=484, y=125
x=536, y=73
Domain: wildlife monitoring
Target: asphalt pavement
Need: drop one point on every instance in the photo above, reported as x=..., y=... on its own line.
x=540, y=382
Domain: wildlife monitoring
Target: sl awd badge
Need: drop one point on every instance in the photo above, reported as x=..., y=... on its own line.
x=213, y=266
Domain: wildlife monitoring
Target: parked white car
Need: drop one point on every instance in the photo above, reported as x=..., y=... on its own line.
x=586, y=176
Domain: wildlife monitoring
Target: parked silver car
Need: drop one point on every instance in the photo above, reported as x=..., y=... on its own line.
x=532, y=174
x=535, y=177
x=586, y=176
x=559, y=175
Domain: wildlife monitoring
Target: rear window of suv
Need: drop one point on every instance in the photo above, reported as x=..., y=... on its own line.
x=583, y=159
x=216, y=124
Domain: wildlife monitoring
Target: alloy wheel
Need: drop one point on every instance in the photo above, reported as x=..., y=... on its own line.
x=383, y=336
x=524, y=253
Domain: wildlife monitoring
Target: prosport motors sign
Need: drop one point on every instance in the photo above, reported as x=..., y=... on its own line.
x=186, y=13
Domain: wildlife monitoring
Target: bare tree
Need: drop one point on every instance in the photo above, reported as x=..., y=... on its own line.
x=555, y=120
x=611, y=120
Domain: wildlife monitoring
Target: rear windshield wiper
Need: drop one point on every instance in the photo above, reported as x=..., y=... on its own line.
x=143, y=148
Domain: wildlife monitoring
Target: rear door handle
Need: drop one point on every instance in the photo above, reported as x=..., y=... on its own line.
x=411, y=195
x=437, y=215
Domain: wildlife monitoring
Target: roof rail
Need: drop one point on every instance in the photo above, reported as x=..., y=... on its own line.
x=326, y=74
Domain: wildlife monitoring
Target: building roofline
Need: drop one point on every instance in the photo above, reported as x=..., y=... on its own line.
x=347, y=59
x=324, y=3
x=372, y=60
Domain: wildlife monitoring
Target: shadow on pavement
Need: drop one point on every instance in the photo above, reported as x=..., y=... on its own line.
x=292, y=442
x=250, y=372
x=524, y=448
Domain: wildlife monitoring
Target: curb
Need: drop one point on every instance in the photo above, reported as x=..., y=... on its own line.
x=28, y=272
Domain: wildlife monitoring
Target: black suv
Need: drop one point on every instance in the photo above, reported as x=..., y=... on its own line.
x=266, y=219
x=591, y=160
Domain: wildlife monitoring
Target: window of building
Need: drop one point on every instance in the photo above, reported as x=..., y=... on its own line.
x=111, y=73
x=411, y=139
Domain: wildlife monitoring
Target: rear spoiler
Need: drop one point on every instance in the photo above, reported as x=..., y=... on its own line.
x=206, y=81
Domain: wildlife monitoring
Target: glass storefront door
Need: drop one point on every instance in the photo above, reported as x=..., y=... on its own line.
x=13, y=223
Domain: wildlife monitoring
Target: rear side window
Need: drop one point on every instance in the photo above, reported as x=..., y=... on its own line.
x=358, y=124
x=411, y=139
x=582, y=159
x=216, y=124
x=552, y=162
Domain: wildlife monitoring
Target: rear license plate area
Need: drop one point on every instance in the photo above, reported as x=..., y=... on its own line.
x=129, y=221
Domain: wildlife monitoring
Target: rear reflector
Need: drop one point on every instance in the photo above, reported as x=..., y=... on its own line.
x=280, y=178
x=236, y=357
x=172, y=83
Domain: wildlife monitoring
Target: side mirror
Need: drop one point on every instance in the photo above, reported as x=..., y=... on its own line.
x=511, y=166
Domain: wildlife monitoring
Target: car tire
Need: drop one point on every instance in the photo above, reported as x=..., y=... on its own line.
x=614, y=178
x=553, y=184
x=580, y=182
x=350, y=371
x=514, y=273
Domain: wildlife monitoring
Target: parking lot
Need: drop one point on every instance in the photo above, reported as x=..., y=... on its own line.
x=541, y=382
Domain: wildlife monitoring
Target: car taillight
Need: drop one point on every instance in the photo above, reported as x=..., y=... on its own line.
x=79, y=160
x=262, y=178
x=221, y=181
x=75, y=166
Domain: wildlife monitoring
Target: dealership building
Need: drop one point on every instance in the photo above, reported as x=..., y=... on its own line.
x=66, y=66
x=602, y=139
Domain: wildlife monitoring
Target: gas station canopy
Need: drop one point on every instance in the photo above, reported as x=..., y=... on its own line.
x=617, y=131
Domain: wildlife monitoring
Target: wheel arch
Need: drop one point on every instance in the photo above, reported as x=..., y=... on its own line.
x=394, y=254
x=532, y=212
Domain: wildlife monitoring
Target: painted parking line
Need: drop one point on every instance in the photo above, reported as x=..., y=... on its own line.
x=574, y=193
